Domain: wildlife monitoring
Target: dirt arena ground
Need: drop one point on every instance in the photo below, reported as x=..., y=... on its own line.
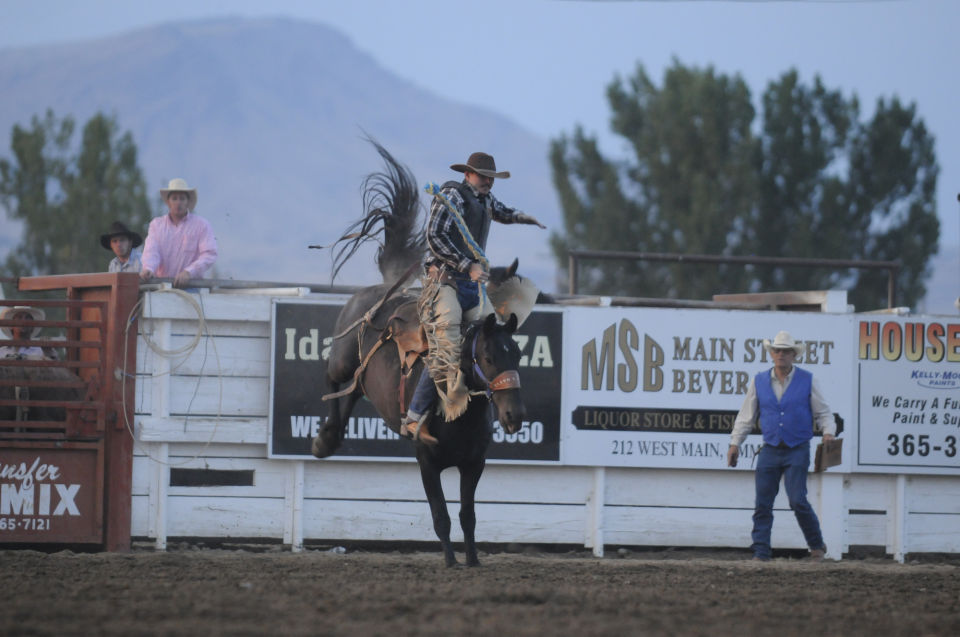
x=199, y=591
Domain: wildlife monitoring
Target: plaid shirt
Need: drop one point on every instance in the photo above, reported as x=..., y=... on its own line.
x=131, y=265
x=441, y=229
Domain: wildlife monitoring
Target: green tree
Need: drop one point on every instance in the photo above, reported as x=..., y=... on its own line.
x=835, y=187
x=801, y=202
x=66, y=201
x=813, y=181
x=892, y=186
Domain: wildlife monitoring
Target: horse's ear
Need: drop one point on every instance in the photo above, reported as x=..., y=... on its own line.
x=511, y=325
x=512, y=270
x=489, y=323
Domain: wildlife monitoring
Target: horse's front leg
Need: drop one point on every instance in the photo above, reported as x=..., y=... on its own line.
x=469, y=479
x=432, y=486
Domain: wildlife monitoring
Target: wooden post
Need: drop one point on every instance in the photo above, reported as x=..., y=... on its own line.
x=595, y=504
x=899, y=523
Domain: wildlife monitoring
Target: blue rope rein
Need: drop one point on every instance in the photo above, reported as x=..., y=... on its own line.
x=475, y=250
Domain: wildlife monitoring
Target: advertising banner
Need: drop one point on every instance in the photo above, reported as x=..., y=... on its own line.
x=654, y=387
x=51, y=493
x=908, y=387
x=302, y=336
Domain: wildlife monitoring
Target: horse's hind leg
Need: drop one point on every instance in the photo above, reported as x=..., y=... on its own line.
x=469, y=479
x=438, y=509
x=331, y=432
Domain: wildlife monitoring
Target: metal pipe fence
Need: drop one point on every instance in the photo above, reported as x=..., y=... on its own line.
x=892, y=267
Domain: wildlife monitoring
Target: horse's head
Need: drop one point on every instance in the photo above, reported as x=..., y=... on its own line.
x=493, y=358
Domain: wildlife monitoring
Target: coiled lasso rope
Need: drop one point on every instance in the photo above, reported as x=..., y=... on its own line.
x=136, y=312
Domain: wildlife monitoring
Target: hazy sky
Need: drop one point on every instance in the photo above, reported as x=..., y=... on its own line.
x=546, y=63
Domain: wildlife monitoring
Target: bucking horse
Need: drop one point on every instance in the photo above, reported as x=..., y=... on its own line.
x=378, y=347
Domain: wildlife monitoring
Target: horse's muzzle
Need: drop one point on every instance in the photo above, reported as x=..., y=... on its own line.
x=511, y=411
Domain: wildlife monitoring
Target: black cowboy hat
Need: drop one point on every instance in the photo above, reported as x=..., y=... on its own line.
x=117, y=228
x=482, y=164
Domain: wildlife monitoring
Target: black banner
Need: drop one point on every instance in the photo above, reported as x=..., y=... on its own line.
x=302, y=336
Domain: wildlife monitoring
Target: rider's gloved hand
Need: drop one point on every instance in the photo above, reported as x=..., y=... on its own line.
x=477, y=273
x=522, y=217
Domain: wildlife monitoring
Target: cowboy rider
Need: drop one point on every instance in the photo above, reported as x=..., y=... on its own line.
x=453, y=286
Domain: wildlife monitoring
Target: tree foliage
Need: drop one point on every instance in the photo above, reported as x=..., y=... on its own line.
x=67, y=198
x=811, y=179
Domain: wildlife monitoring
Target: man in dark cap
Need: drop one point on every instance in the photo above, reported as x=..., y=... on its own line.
x=123, y=242
x=456, y=269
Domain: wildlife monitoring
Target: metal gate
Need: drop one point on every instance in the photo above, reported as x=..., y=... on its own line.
x=65, y=451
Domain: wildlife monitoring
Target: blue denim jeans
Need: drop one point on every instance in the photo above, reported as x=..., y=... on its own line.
x=424, y=396
x=790, y=464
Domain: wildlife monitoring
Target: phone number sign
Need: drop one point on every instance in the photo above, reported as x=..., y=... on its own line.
x=909, y=394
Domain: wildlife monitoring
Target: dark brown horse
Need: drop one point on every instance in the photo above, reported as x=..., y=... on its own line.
x=489, y=354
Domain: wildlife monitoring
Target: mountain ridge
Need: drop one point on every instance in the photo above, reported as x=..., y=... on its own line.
x=269, y=115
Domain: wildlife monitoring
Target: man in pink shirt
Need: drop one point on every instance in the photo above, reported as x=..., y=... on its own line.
x=179, y=244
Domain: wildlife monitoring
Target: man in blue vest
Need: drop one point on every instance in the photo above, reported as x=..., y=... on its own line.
x=787, y=401
x=455, y=271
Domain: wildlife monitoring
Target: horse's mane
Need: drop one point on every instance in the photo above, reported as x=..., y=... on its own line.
x=391, y=203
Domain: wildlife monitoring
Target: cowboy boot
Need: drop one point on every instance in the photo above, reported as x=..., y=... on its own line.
x=417, y=429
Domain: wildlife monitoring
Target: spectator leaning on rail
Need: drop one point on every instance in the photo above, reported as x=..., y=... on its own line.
x=453, y=289
x=179, y=244
x=787, y=400
x=124, y=244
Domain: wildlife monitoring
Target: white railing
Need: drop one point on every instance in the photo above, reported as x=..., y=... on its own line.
x=208, y=409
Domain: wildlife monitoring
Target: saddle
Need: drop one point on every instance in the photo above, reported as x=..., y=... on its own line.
x=512, y=295
x=404, y=329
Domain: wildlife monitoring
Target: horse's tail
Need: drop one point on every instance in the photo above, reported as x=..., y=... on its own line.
x=391, y=203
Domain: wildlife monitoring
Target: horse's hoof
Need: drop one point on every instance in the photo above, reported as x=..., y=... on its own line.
x=319, y=449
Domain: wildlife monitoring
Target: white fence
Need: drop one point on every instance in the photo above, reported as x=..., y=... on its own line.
x=209, y=410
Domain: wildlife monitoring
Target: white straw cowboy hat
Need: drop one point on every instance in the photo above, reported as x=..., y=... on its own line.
x=180, y=185
x=783, y=340
x=482, y=164
x=35, y=313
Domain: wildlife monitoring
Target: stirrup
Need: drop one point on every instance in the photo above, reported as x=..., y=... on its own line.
x=406, y=429
x=417, y=430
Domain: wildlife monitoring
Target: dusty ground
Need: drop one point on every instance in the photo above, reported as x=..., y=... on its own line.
x=210, y=592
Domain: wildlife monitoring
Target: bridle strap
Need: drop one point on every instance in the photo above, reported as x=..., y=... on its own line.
x=509, y=379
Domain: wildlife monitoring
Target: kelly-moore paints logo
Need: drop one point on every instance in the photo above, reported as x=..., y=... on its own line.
x=946, y=379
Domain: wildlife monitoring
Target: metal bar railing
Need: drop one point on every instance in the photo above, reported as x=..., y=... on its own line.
x=892, y=267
